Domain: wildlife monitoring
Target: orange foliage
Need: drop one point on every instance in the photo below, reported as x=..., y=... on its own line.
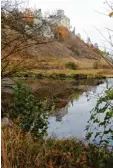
x=28, y=16
x=62, y=33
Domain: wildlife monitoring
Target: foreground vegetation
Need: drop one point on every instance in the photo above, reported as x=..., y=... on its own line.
x=21, y=151
x=101, y=120
x=25, y=145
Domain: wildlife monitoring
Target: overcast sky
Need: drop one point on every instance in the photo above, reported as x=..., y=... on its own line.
x=82, y=14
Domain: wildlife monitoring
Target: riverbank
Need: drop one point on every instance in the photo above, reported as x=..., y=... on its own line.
x=67, y=74
x=20, y=150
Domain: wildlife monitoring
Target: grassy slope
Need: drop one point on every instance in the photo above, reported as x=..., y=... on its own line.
x=53, y=57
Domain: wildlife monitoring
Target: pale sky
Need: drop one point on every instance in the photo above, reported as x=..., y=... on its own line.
x=82, y=14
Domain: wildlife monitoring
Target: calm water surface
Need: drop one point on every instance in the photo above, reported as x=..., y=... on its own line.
x=71, y=120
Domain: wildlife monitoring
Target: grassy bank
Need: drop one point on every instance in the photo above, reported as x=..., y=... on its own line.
x=60, y=68
x=67, y=74
x=20, y=150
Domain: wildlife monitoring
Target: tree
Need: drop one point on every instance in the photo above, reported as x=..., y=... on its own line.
x=14, y=36
x=28, y=16
x=96, y=46
x=78, y=35
x=89, y=41
x=109, y=40
x=100, y=124
x=61, y=33
x=32, y=114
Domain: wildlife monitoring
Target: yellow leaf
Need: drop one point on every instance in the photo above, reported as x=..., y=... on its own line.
x=111, y=14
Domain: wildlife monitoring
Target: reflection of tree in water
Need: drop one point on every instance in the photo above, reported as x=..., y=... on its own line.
x=88, y=93
x=92, y=92
x=60, y=113
x=72, y=102
x=88, y=82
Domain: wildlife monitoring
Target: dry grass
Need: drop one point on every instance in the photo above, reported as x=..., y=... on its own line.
x=91, y=72
x=20, y=150
x=50, y=62
x=54, y=57
x=41, y=63
x=16, y=148
x=55, y=67
x=101, y=64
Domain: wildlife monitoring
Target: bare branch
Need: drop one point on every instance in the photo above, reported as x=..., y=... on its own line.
x=15, y=37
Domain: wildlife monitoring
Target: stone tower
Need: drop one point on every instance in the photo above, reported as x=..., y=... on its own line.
x=60, y=12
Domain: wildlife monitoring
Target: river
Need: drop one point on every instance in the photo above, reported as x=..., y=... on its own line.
x=73, y=99
x=71, y=120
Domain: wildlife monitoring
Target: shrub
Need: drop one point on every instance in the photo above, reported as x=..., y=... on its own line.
x=33, y=114
x=61, y=76
x=62, y=33
x=71, y=65
x=39, y=76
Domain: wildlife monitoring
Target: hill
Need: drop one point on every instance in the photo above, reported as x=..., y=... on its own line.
x=56, y=56
x=43, y=47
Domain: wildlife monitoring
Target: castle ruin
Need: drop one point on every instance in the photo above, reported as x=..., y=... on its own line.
x=39, y=21
x=60, y=19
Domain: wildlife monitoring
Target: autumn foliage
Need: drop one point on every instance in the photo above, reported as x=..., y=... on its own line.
x=28, y=16
x=62, y=33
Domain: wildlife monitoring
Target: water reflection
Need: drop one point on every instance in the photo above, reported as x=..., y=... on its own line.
x=71, y=120
x=60, y=113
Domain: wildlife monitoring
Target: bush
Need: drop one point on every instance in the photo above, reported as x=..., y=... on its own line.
x=39, y=76
x=62, y=33
x=61, y=76
x=71, y=65
x=33, y=114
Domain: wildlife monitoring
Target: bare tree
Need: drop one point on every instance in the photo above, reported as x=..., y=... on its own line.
x=109, y=40
x=17, y=35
